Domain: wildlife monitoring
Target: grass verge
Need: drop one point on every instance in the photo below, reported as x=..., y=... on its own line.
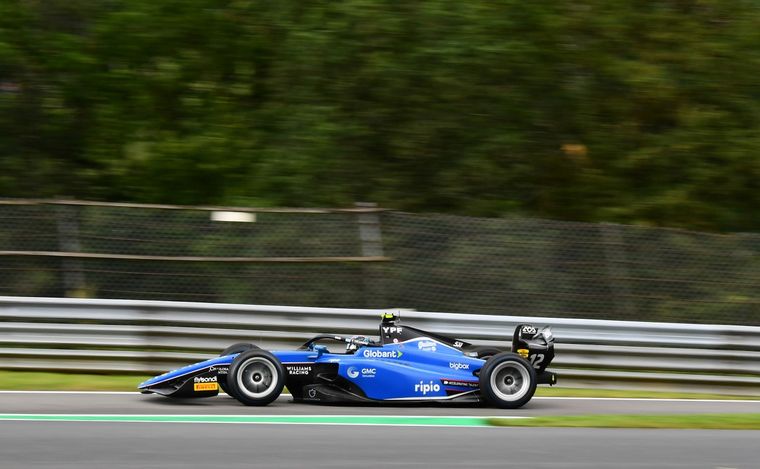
x=701, y=421
x=632, y=393
x=41, y=381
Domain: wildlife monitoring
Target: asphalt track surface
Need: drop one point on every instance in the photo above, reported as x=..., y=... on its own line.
x=135, y=403
x=87, y=444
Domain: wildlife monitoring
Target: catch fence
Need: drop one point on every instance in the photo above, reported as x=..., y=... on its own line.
x=368, y=257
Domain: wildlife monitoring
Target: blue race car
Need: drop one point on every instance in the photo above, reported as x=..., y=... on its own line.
x=405, y=365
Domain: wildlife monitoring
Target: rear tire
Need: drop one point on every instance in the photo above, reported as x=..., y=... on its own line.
x=507, y=381
x=239, y=347
x=256, y=377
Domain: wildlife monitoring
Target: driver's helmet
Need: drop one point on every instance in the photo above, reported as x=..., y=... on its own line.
x=391, y=316
x=356, y=342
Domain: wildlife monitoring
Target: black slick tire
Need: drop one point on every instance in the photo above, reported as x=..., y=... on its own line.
x=239, y=347
x=507, y=381
x=256, y=377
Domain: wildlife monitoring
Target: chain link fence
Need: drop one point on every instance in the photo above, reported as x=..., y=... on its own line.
x=366, y=257
x=564, y=269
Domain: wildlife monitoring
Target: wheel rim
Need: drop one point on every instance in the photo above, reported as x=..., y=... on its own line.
x=510, y=381
x=257, y=377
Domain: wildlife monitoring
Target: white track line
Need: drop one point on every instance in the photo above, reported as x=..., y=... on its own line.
x=329, y=424
x=115, y=393
x=123, y=393
x=251, y=419
x=307, y=416
x=635, y=399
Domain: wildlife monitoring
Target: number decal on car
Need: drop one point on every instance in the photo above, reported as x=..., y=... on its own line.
x=537, y=359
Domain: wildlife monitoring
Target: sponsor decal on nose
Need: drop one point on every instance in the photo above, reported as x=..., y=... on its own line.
x=205, y=383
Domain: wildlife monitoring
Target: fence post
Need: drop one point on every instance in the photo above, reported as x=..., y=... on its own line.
x=371, y=245
x=613, y=246
x=67, y=222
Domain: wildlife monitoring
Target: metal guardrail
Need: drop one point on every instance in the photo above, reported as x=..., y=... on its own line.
x=153, y=336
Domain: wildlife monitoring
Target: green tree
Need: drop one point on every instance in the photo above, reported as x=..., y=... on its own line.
x=595, y=110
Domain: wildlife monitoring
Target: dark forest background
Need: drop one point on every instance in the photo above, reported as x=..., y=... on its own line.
x=644, y=112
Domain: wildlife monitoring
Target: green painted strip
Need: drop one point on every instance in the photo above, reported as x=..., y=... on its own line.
x=253, y=419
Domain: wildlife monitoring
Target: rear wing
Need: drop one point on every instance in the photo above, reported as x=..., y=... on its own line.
x=534, y=344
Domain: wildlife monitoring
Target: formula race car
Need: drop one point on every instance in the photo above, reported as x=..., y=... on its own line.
x=406, y=364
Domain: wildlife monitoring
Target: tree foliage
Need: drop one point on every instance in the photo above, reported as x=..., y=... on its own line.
x=637, y=112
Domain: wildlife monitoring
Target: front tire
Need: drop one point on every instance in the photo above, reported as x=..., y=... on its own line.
x=507, y=381
x=256, y=377
x=239, y=347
